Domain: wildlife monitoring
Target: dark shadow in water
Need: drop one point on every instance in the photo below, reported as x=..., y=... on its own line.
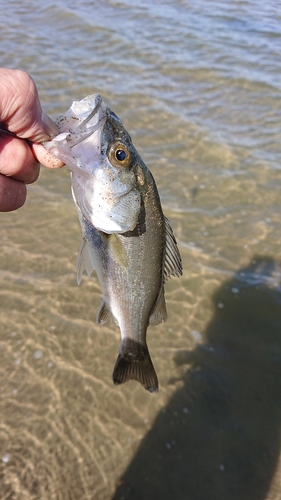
x=219, y=436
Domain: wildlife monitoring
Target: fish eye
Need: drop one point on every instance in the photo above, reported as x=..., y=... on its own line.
x=119, y=155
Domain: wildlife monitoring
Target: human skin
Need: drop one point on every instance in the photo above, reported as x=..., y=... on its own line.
x=23, y=126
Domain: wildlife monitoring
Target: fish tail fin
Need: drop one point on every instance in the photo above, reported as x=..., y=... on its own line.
x=134, y=363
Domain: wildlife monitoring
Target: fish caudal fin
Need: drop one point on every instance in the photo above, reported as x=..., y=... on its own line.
x=134, y=363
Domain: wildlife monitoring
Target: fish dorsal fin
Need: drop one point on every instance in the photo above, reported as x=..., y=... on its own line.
x=85, y=260
x=172, y=258
x=159, y=313
x=104, y=314
x=172, y=267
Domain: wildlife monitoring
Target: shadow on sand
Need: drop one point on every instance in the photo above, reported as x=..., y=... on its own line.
x=219, y=437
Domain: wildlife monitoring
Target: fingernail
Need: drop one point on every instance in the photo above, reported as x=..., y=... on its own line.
x=49, y=126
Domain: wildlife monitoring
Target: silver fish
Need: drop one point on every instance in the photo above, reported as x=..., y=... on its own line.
x=127, y=239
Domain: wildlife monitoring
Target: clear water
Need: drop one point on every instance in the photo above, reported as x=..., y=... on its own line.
x=198, y=86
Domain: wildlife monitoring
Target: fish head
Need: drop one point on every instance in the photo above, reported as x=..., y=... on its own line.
x=100, y=154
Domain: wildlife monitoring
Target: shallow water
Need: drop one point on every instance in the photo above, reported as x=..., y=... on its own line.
x=198, y=87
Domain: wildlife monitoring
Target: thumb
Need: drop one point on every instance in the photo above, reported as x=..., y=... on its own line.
x=20, y=108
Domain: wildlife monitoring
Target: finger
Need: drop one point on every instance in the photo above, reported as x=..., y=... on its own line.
x=17, y=159
x=45, y=157
x=12, y=194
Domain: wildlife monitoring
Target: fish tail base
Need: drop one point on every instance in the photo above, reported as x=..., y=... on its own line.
x=134, y=363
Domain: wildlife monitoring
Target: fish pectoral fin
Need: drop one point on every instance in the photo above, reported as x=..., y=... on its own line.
x=85, y=260
x=159, y=313
x=134, y=363
x=104, y=314
x=172, y=258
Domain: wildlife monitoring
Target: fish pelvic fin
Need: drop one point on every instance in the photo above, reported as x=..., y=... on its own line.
x=104, y=315
x=134, y=363
x=85, y=260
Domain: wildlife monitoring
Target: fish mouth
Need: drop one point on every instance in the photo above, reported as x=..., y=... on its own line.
x=84, y=119
x=83, y=131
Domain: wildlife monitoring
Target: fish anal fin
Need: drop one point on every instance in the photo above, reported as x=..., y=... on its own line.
x=172, y=258
x=85, y=260
x=134, y=363
x=159, y=313
x=104, y=314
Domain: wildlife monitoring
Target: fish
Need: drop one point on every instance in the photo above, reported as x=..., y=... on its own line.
x=126, y=238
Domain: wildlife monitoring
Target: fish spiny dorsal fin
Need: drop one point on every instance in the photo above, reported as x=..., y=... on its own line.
x=134, y=363
x=172, y=258
x=84, y=261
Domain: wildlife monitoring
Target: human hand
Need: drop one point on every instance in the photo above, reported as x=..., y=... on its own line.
x=23, y=125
